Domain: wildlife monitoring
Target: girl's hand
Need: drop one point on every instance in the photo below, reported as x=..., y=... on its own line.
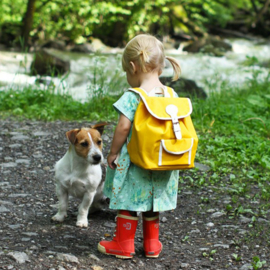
x=111, y=161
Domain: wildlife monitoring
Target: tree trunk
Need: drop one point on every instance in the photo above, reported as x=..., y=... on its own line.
x=27, y=22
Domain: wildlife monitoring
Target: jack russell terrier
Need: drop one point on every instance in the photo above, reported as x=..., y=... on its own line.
x=78, y=173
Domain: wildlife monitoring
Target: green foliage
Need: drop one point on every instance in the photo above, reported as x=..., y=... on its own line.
x=77, y=20
x=234, y=127
x=257, y=263
x=34, y=103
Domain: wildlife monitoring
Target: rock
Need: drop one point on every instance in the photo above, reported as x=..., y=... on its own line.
x=54, y=44
x=83, y=48
x=213, y=45
x=19, y=257
x=245, y=220
x=67, y=258
x=3, y=209
x=184, y=265
x=185, y=87
x=20, y=137
x=217, y=214
x=94, y=257
x=8, y=165
x=45, y=63
x=247, y=266
x=202, y=167
x=41, y=133
x=222, y=246
x=163, y=219
x=23, y=161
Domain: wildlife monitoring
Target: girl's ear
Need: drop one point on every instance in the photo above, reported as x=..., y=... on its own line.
x=133, y=67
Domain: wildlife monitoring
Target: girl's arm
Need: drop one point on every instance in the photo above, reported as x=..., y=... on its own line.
x=119, y=138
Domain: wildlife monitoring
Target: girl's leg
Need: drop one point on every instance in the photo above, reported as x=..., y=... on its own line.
x=151, y=244
x=122, y=244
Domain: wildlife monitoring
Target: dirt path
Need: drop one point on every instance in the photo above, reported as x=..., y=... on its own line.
x=197, y=235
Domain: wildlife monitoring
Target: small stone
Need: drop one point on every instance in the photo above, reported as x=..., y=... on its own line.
x=247, y=266
x=195, y=231
x=15, y=227
x=20, y=137
x=29, y=234
x=67, y=258
x=3, y=209
x=210, y=224
x=15, y=145
x=23, y=161
x=8, y=165
x=19, y=257
x=96, y=267
x=164, y=219
x=222, y=246
x=184, y=265
x=94, y=257
x=109, y=224
x=217, y=214
x=16, y=195
x=244, y=220
x=41, y=133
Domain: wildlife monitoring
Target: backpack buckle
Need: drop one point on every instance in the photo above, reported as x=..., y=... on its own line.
x=176, y=129
x=172, y=110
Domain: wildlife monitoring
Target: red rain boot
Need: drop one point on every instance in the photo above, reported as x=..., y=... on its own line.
x=122, y=245
x=152, y=246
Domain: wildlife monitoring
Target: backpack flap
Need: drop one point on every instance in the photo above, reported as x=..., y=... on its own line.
x=176, y=152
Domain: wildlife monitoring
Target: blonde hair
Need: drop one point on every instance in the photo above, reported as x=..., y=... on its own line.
x=148, y=53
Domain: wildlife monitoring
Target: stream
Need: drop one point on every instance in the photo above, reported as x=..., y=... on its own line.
x=91, y=72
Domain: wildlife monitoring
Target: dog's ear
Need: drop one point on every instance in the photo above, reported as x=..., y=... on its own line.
x=100, y=127
x=71, y=135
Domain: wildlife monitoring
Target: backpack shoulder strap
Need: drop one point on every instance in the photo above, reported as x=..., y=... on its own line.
x=168, y=92
x=139, y=91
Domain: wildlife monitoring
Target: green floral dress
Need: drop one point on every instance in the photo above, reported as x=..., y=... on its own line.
x=132, y=188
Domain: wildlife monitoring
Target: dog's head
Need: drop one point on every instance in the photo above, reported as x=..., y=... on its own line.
x=87, y=142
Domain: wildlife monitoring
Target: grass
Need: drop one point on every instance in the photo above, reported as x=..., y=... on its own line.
x=34, y=103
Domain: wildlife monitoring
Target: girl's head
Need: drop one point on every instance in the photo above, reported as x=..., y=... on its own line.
x=147, y=52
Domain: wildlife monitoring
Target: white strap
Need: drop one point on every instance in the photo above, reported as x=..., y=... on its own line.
x=172, y=110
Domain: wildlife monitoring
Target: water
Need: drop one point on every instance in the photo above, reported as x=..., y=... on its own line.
x=88, y=71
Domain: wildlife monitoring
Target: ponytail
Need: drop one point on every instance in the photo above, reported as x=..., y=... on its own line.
x=176, y=68
x=143, y=59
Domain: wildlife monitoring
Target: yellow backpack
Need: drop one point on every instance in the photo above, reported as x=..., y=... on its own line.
x=163, y=136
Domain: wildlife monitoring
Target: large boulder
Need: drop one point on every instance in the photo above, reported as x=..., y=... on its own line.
x=212, y=45
x=184, y=87
x=54, y=44
x=83, y=48
x=45, y=63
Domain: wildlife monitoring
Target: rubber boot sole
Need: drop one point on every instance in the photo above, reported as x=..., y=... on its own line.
x=154, y=256
x=103, y=250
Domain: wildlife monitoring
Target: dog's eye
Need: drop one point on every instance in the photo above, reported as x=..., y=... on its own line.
x=84, y=144
x=99, y=142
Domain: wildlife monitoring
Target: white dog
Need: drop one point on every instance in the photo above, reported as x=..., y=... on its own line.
x=79, y=173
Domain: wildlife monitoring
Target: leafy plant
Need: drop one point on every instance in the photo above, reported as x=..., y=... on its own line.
x=257, y=263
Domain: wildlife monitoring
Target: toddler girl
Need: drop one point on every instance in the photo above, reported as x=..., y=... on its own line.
x=130, y=188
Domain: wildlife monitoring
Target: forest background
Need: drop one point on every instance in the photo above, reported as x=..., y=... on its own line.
x=113, y=22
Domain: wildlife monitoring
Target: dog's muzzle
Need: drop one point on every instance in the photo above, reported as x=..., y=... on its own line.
x=97, y=158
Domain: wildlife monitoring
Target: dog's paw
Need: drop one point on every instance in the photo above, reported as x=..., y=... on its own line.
x=83, y=223
x=58, y=217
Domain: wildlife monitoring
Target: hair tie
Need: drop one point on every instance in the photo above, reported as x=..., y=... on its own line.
x=145, y=55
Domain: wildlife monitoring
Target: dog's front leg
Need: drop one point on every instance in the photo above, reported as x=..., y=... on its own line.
x=82, y=219
x=62, y=195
